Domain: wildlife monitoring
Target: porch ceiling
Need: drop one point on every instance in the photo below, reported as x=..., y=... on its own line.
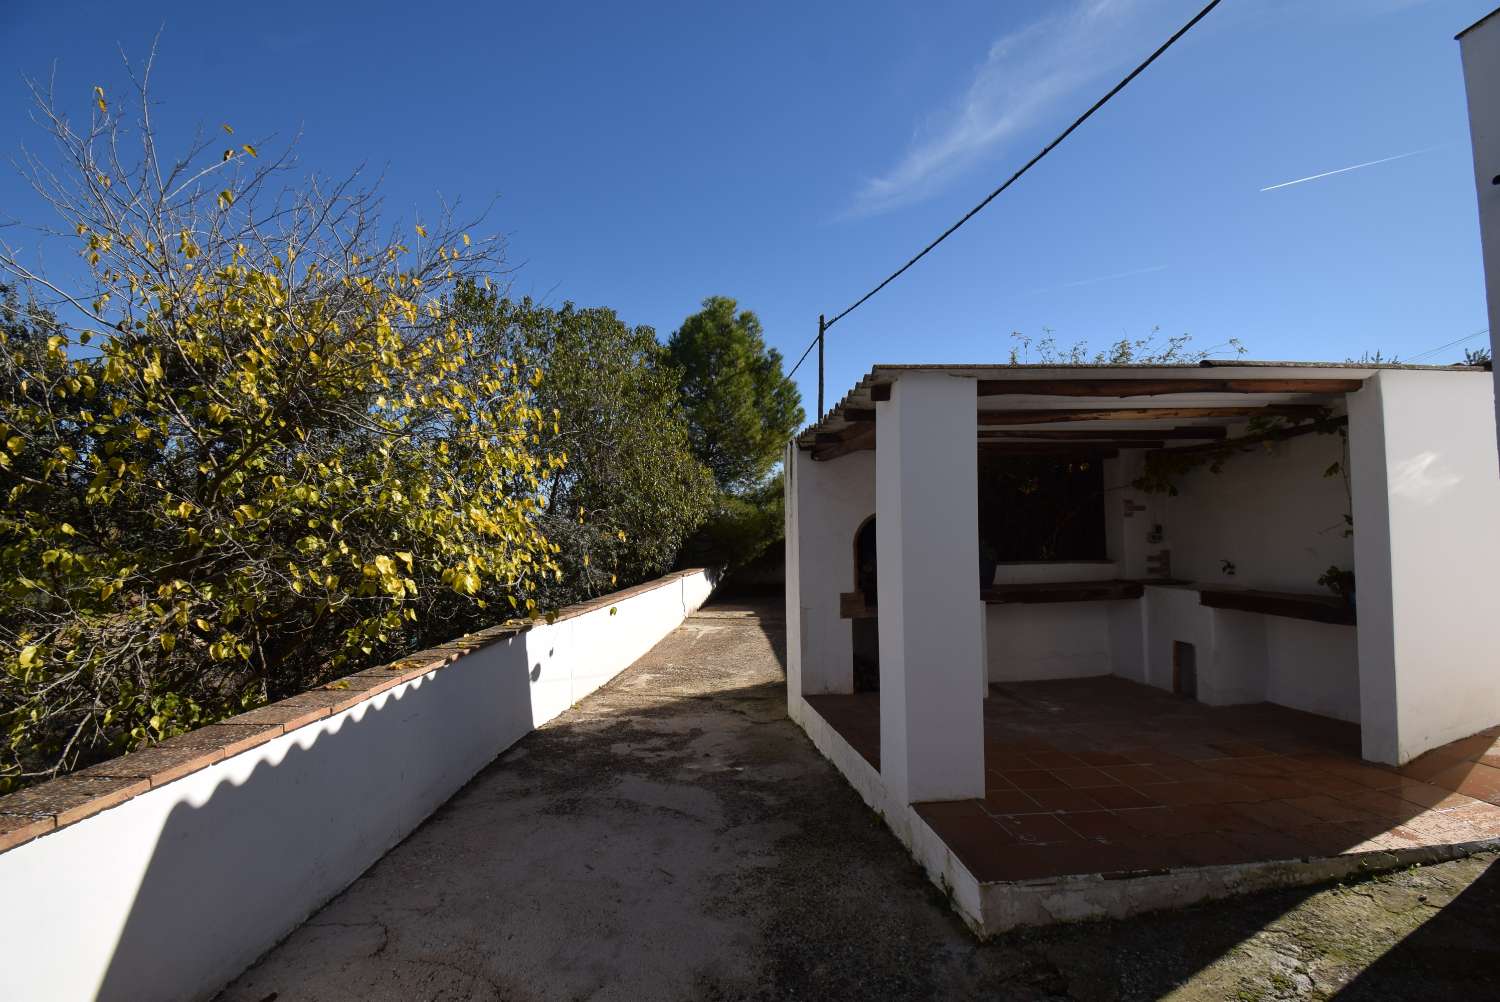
x=1032, y=408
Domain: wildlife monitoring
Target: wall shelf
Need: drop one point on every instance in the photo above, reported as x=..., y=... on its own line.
x=1062, y=591
x=1291, y=605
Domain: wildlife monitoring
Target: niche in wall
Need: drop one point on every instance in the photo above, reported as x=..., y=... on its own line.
x=1184, y=670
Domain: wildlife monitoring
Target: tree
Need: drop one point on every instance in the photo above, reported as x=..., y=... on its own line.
x=262, y=454
x=741, y=408
x=631, y=489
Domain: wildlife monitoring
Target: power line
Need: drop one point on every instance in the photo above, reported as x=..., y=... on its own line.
x=1443, y=347
x=1014, y=177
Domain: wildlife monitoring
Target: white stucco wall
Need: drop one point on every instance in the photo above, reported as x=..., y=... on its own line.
x=1065, y=640
x=1480, y=47
x=1270, y=511
x=171, y=894
x=1426, y=490
x=826, y=503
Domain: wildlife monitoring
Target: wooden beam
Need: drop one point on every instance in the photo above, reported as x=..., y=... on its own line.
x=854, y=440
x=1112, y=434
x=1144, y=414
x=1102, y=450
x=1159, y=387
x=1274, y=435
x=880, y=391
x=858, y=415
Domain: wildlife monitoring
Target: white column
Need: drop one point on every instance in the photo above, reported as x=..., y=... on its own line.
x=1480, y=46
x=1425, y=492
x=927, y=536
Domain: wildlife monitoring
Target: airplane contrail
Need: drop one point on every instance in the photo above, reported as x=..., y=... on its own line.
x=1345, y=170
x=1098, y=278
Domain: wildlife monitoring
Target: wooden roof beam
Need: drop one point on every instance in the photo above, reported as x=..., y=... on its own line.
x=1067, y=414
x=1159, y=387
x=1204, y=432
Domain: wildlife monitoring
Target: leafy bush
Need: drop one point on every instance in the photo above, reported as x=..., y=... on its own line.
x=265, y=453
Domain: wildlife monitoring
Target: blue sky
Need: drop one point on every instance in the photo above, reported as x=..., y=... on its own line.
x=645, y=156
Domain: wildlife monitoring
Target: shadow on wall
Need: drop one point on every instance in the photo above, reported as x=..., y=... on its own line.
x=232, y=873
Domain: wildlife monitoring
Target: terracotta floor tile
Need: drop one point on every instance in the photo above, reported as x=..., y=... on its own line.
x=1101, y=826
x=1279, y=788
x=1323, y=808
x=1084, y=777
x=1066, y=799
x=1326, y=839
x=1053, y=760
x=1210, y=849
x=1185, y=772
x=1037, y=828
x=1472, y=779
x=1429, y=797
x=1033, y=779
x=1185, y=785
x=1135, y=775
x=951, y=810
x=1207, y=792
x=1384, y=806
x=1103, y=758
x=1117, y=797
x=1238, y=749
x=1011, y=802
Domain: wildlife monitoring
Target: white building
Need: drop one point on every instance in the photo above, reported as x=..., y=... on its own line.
x=1164, y=525
x=1480, y=45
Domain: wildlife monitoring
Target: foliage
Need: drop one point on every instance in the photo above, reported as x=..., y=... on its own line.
x=1477, y=356
x=1176, y=350
x=263, y=455
x=1164, y=468
x=632, y=489
x=741, y=527
x=1338, y=581
x=741, y=409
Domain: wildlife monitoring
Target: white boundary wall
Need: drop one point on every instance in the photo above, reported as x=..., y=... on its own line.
x=171, y=894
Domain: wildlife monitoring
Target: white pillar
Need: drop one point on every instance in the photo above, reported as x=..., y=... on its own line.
x=1480, y=46
x=927, y=537
x=1425, y=492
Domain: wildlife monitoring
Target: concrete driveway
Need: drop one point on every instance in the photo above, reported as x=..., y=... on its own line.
x=675, y=836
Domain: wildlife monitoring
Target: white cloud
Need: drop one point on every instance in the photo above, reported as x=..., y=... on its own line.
x=1022, y=80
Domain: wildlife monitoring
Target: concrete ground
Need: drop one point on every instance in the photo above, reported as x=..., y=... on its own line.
x=675, y=836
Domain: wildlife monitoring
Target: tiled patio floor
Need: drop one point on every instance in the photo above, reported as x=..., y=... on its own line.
x=1107, y=776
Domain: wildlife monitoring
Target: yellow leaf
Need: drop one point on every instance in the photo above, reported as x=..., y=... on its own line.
x=99, y=99
x=227, y=129
x=421, y=230
x=250, y=150
x=168, y=641
x=28, y=656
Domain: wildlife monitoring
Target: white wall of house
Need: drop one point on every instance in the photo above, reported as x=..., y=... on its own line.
x=826, y=503
x=1065, y=640
x=174, y=892
x=1426, y=490
x=1480, y=46
x=1270, y=511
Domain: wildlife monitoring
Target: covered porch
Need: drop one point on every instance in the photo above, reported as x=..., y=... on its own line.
x=1143, y=574
x=1109, y=777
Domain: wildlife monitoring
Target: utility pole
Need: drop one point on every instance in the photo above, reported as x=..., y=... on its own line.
x=821, y=327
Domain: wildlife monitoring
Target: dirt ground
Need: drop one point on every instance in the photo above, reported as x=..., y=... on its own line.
x=675, y=836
